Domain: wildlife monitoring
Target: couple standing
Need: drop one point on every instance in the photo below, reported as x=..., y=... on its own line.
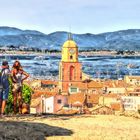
x=18, y=75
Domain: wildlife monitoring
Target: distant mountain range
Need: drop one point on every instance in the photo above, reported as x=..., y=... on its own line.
x=119, y=40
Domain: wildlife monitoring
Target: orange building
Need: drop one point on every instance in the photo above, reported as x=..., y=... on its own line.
x=70, y=69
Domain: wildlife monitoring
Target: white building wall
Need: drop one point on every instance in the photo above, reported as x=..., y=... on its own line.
x=33, y=110
x=131, y=103
x=116, y=90
x=135, y=80
x=49, y=104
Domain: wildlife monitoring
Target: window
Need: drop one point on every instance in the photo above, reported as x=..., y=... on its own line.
x=93, y=91
x=71, y=57
x=128, y=106
x=73, y=89
x=71, y=75
x=59, y=101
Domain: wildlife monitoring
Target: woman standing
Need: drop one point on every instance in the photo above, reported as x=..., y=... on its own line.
x=18, y=76
x=4, y=81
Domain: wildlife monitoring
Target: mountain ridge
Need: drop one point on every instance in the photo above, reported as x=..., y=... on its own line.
x=118, y=40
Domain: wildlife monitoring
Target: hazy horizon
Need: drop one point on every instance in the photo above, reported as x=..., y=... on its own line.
x=68, y=31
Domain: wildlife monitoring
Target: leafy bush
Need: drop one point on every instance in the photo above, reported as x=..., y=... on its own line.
x=26, y=96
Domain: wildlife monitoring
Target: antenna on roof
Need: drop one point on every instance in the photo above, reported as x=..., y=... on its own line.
x=70, y=34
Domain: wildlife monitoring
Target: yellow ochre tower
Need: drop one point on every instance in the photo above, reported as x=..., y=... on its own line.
x=69, y=67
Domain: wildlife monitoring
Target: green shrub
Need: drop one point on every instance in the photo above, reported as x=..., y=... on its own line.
x=26, y=96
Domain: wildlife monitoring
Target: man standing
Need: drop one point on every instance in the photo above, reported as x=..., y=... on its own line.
x=4, y=78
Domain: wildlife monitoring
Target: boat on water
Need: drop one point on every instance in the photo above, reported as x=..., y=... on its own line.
x=40, y=57
x=7, y=58
x=131, y=66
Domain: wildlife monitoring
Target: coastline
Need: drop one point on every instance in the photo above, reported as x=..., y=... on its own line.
x=48, y=62
x=83, y=53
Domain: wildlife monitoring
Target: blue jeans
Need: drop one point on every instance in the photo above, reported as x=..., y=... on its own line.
x=4, y=93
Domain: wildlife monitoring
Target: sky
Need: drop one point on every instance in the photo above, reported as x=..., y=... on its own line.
x=77, y=16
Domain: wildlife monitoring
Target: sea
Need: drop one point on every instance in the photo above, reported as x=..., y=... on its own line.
x=103, y=67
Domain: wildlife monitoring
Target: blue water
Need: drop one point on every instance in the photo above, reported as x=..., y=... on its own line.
x=96, y=66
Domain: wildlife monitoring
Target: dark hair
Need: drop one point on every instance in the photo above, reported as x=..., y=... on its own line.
x=19, y=65
x=5, y=63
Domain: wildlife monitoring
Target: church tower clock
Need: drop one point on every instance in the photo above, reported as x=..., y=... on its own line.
x=69, y=67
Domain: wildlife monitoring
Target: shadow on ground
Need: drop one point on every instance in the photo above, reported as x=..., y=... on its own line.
x=12, y=130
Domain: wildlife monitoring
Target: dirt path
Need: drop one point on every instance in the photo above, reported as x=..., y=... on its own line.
x=70, y=128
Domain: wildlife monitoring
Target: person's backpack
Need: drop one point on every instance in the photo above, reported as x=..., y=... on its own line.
x=1, y=86
x=4, y=78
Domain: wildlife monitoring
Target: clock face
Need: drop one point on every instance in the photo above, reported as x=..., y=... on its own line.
x=72, y=51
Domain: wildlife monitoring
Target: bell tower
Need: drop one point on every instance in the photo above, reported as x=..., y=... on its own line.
x=69, y=67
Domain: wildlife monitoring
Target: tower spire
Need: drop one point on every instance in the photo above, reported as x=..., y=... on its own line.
x=69, y=36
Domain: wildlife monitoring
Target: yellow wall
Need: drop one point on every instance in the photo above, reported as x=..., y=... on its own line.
x=106, y=100
x=66, y=55
x=116, y=90
x=69, y=49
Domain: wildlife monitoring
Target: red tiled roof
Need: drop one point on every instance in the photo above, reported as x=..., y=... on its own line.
x=99, y=107
x=134, y=93
x=84, y=85
x=35, y=102
x=93, y=98
x=63, y=111
x=45, y=93
x=134, y=77
x=75, y=98
x=79, y=85
x=94, y=84
x=137, y=89
x=111, y=95
x=49, y=82
x=115, y=83
x=116, y=106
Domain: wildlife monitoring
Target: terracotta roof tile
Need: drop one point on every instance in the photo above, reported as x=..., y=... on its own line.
x=38, y=93
x=79, y=85
x=76, y=98
x=91, y=84
x=35, y=102
x=115, y=83
x=116, y=106
x=98, y=107
x=94, y=84
x=49, y=82
x=63, y=111
x=111, y=95
x=134, y=77
x=93, y=98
